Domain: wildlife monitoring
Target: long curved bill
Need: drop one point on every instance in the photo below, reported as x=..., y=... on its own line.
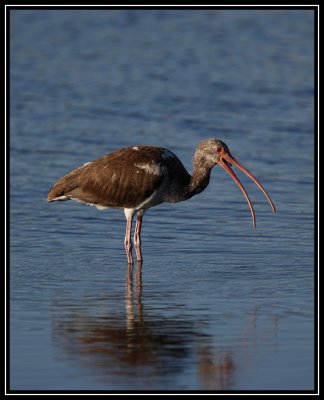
x=225, y=162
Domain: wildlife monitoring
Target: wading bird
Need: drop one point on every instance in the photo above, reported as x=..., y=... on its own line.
x=140, y=177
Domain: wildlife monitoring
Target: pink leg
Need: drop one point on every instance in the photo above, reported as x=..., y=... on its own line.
x=137, y=237
x=128, y=242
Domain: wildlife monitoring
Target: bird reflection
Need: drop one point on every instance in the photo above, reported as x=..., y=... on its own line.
x=131, y=343
x=137, y=343
x=130, y=312
x=215, y=368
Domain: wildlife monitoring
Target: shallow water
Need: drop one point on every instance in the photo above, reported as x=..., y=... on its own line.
x=216, y=305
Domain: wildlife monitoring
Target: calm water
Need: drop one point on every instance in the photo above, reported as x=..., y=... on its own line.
x=217, y=305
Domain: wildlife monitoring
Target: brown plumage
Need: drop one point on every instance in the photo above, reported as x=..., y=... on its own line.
x=140, y=177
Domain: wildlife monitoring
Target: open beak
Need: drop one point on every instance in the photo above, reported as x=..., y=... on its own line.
x=226, y=160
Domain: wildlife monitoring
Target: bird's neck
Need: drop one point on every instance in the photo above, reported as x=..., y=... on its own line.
x=200, y=177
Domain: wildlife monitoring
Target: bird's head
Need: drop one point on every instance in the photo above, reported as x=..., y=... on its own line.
x=214, y=151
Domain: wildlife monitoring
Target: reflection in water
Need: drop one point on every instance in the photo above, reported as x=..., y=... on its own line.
x=215, y=368
x=137, y=344
x=126, y=344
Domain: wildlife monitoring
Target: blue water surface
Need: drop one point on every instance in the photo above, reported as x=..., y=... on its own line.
x=216, y=305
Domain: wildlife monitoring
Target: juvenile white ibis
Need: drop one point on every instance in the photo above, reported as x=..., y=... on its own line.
x=140, y=177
